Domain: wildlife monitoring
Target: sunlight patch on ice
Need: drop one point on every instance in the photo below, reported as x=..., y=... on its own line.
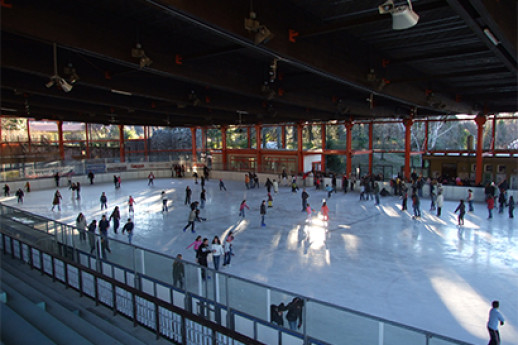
x=391, y=211
x=471, y=310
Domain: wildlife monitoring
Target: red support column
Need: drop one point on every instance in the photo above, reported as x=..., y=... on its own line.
x=348, y=148
x=223, y=130
x=371, y=131
x=480, y=120
x=193, y=145
x=60, y=143
x=248, y=133
x=121, y=144
x=323, y=156
x=258, y=138
x=146, y=150
x=408, y=137
x=283, y=137
x=300, y=155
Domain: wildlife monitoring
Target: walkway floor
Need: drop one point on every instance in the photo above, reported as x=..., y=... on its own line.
x=426, y=273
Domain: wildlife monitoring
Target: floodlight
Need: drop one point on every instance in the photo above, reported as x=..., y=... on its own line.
x=404, y=17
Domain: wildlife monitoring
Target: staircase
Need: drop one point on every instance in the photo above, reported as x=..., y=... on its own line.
x=36, y=310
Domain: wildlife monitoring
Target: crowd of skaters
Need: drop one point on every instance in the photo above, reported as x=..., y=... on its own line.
x=369, y=190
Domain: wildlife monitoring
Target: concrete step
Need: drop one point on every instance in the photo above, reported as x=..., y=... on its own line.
x=81, y=312
x=16, y=330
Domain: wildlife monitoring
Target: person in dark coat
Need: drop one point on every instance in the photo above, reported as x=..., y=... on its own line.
x=263, y=212
x=188, y=193
x=294, y=313
x=462, y=211
x=201, y=255
x=19, y=193
x=91, y=177
x=276, y=312
x=178, y=272
x=116, y=216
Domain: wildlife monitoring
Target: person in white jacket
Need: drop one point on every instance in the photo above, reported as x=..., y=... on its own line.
x=440, y=202
x=217, y=251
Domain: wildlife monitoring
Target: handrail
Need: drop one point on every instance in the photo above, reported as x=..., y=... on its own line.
x=425, y=333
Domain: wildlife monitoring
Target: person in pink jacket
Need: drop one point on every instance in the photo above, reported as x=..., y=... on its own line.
x=325, y=211
x=242, y=208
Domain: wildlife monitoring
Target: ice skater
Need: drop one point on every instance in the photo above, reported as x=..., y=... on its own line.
x=275, y=186
x=495, y=319
x=222, y=185
x=325, y=211
x=81, y=226
x=309, y=212
x=203, y=198
x=262, y=211
x=190, y=221
x=104, y=201
x=201, y=255
x=188, y=193
x=196, y=244
x=242, y=208
x=304, y=195
x=91, y=235
x=131, y=202
x=19, y=194
x=404, y=196
x=150, y=178
x=228, y=249
x=470, y=201
x=462, y=211
x=416, y=205
x=511, y=207
x=128, y=227
x=490, y=205
x=163, y=196
x=116, y=216
x=440, y=203
x=178, y=272
x=7, y=190
x=57, y=200
x=217, y=251
x=270, y=200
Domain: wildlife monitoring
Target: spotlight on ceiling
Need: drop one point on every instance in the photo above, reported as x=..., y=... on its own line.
x=138, y=52
x=62, y=83
x=403, y=16
x=55, y=79
x=262, y=33
x=71, y=73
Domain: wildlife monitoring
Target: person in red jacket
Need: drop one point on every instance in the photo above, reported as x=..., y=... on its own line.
x=490, y=205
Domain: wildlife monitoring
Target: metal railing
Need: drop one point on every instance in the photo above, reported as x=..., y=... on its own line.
x=229, y=301
x=159, y=316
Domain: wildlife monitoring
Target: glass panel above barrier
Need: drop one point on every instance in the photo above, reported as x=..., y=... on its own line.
x=248, y=297
x=396, y=335
x=337, y=326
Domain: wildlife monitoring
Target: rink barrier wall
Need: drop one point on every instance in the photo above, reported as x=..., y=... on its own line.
x=56, y=249
x=452, y=193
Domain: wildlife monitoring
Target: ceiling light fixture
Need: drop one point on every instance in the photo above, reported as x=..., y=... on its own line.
x=70, y=71
x=262, y=33
x=138, y=52
x=403, y=16
x=55, y=79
